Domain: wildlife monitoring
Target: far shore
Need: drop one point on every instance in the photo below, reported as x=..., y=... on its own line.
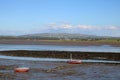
x=60, y=42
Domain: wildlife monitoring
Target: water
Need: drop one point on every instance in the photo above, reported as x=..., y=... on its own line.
x=104, y=48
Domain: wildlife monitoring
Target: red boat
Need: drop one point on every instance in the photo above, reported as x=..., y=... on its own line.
x=22, y=69
x=74, y=61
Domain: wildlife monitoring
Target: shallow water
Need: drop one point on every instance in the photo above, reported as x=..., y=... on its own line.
x=104, y=48
x=52, y=59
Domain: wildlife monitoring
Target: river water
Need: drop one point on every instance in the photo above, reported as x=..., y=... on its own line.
x=104, y=48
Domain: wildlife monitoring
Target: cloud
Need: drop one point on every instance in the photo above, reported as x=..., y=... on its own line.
x=62, y=27
x=59, y=27
x=85, y=27
x=93, y=27
x=66, y=26
x=112, y=28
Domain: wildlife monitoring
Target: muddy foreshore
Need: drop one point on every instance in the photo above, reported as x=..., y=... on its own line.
x=64, y=54
x=41, y=70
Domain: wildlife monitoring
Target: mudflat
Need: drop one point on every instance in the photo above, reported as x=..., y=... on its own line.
x=41, y=70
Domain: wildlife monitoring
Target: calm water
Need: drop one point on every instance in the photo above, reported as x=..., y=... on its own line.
x=104, y=48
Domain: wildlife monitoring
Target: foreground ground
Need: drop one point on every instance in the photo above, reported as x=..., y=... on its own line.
x=40, y=70
x=58, y=71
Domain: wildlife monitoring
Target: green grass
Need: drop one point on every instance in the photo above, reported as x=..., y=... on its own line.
x=107, y=40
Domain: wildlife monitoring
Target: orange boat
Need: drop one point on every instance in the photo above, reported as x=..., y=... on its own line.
x=22, y=69
x=74, y=61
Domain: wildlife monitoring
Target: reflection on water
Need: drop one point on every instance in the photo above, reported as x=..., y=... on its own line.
x=104, y=48
x=52, y=59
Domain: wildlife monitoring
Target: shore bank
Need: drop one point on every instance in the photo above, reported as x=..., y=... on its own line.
x=64, y=54
x=60, y=42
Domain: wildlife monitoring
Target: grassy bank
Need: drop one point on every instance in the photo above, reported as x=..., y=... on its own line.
x=62, y=42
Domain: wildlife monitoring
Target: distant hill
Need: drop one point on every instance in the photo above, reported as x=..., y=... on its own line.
x=61, y=36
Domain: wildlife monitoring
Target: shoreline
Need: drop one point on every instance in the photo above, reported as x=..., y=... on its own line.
x=59, y=42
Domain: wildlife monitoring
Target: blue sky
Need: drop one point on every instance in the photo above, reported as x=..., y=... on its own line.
x=94, y=17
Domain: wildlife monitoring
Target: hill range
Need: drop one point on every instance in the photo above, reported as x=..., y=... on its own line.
x=58, y=36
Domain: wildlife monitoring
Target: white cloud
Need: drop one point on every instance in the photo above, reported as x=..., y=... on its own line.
x=51, y=24
x=89, y=27
x=112, y=27
x=66, y=26
x=81, y=27
x=59, y=26
x=84, y=27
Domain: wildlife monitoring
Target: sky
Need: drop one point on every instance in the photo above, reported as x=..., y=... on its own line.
x=93, y=17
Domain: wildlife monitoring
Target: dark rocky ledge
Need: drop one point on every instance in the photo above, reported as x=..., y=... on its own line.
x=63, y=54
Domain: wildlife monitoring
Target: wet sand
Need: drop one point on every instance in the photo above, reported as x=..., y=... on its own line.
x=41, y=70
x=59, y=42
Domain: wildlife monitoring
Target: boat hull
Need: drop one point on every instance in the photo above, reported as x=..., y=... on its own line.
x=21, y=69
x=75, y=62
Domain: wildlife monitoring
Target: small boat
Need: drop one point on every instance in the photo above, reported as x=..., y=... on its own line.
x=22, y=69
x=74, y=61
